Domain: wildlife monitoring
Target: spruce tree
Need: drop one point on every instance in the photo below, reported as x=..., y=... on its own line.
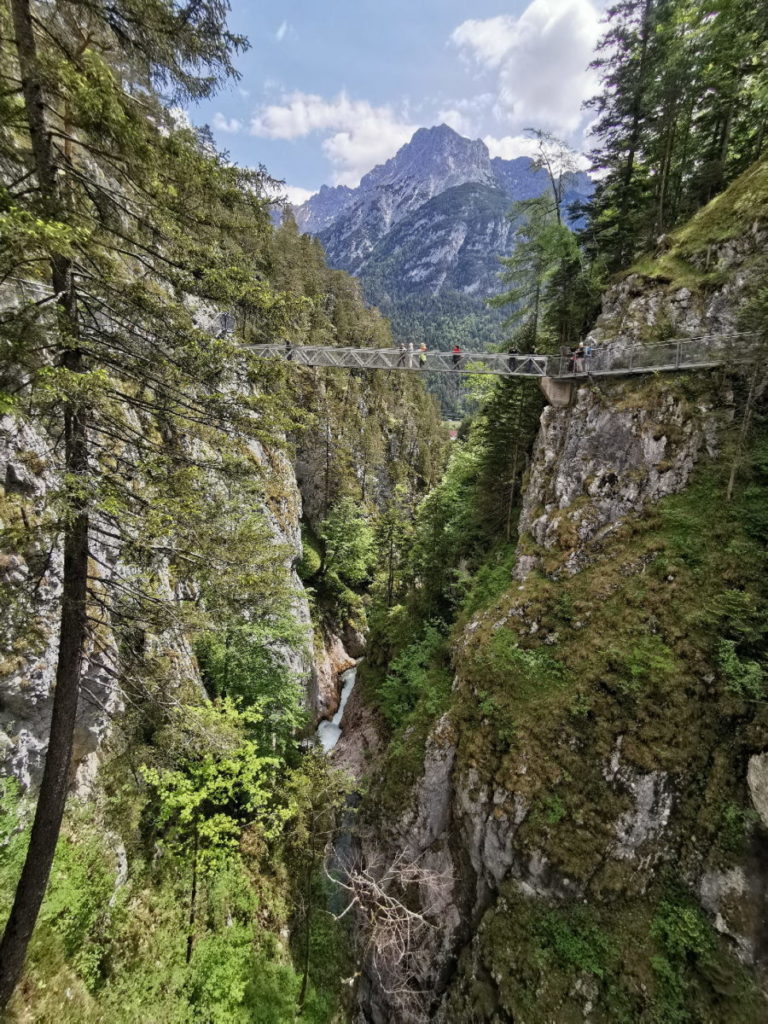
x=130, y=233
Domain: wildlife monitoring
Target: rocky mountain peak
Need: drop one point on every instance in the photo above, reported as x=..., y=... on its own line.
x=437, y=157
x=432, y=220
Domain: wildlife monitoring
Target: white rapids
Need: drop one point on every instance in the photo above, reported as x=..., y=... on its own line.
x=329, y=732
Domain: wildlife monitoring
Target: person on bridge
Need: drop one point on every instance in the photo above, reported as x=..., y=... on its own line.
x=410, y=355
x=288, y=351
x=512, y=360
x=401, y=356
x=422, y=356
x=579, y=354
x=456, y=357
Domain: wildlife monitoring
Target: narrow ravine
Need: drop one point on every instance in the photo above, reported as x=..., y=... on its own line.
x=329, y=732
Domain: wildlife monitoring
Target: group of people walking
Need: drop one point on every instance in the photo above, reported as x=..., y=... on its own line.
x=577, y=358
x=406, y=354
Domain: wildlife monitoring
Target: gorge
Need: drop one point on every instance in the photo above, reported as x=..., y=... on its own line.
x=312, y=708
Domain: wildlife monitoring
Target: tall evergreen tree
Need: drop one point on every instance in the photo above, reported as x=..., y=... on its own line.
x=682, y=111
x=119, y=218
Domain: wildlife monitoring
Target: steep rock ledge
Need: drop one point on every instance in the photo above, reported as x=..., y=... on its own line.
x=538, y=804
x=615, y=451
x=31, y=581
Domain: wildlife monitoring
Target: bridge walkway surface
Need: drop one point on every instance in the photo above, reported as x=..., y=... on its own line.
x=616, y=359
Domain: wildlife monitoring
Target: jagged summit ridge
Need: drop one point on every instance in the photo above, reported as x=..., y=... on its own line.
x=430, y=219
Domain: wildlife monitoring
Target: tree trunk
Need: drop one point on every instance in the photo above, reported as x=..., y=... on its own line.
x=634, y=134
x=72, y=635
x=193, y=900
x=311, y=866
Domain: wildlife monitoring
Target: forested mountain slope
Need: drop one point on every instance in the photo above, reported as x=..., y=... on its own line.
x=549, y=800
x=576, y=757
x=161, y=657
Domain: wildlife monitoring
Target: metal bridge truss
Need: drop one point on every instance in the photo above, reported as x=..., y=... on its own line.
x=606, y=360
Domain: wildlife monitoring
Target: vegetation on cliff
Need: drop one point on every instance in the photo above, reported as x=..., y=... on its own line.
x=160, y=454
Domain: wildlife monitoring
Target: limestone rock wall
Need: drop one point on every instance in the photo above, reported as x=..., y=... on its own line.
x=484, y=817
x=31, y=590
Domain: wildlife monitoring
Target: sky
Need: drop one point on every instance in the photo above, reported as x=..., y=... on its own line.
x=329, y=90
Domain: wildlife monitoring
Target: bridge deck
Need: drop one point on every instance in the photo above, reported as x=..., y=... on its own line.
x=605, y=361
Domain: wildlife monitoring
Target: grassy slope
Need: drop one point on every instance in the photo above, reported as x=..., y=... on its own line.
x=731, y=215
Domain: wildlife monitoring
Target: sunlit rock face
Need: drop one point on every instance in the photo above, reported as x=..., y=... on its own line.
x=592, y=811
x=431, y=220
x=32, y=585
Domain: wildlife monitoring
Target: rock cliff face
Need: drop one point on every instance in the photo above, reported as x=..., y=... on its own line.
x=576, y=800
x=431, y=220
x=31, y=586
x=31, y=582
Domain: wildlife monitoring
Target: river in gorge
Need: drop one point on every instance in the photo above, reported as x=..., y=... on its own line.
x=328, y=733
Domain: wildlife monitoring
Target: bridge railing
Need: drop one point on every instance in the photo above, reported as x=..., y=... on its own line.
x=394, y=359
x=615, y=358
x=672, y=354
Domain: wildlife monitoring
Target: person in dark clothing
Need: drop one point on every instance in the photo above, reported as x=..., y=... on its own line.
x=456, y=357
x=288, y=351
x=578, y=358
x=512, y=361
x=401, y=356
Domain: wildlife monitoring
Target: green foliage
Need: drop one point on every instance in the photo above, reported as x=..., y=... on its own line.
x=247, y=663
x=215, y=790
x=736, y=824
x=492, y=579
x=349, y=543
x=574, y=941
x=544, y=247
x=688, y=958
x=227, y=982
x=640, y=662
x=658, y=168
x=524, y=674
x=419, y=674
x=311, y=555
x=745, y=679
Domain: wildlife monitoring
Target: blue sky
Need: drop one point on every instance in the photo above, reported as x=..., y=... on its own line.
x=330, y=90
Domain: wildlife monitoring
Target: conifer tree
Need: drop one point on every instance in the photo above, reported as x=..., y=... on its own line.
x=128, y=229
x=682, y=111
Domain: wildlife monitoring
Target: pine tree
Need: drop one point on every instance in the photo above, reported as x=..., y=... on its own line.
x=543, y=247
x=682, y=111
x=119, y=218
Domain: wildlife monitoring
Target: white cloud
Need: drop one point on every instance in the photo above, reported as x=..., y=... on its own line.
x=540, y=59
x=230, y=125
x=511, y=146
x=282, y=31
x=357, y=135
x=455, y=119
x=488, y=41
x=467, y=114
x=295, y=194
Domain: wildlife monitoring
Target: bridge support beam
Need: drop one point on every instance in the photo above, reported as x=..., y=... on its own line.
x=557, y=392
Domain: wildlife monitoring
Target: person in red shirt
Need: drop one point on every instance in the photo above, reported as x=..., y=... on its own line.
x=456, y=357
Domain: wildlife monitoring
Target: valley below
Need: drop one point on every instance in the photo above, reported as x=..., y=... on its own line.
x=346, y=695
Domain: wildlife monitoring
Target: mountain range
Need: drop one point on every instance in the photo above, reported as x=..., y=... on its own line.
x=425, y=232
x=430, y=222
